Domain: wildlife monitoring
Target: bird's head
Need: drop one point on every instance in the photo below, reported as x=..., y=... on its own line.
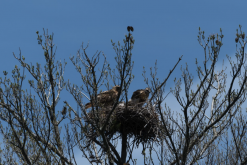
x=116, y=88
x=148, y=90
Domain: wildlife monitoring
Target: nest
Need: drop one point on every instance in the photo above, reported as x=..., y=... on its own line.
x=140, y=122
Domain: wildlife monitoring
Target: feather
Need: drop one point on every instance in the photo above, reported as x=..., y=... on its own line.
x=140, y=96
x=105, y=98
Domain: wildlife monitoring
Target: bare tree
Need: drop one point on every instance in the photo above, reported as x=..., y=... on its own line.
x=206, y=130
x=96, y=137
x=30, y=121
x=196, y=132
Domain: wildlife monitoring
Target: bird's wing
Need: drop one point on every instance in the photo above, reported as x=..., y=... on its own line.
x=107, y=96
x=136, y=94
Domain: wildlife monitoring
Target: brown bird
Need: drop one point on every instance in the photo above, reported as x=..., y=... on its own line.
x=105, y=98
x=64, y=111
x=140, y=96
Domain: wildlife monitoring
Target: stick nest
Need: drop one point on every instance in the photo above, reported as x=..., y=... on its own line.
x=142, y=123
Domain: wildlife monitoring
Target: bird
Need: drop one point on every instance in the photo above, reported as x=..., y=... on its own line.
x=140, y=96
x=64, y=111
x=105, y=98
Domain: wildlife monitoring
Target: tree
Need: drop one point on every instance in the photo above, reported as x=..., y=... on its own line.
x=33, y=131
x=196, y=132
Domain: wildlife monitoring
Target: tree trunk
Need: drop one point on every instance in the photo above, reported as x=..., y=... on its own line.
x=124, y=146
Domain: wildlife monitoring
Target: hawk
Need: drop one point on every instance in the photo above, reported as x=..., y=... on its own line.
x=106, y=98
x=140, y=96
x=64, y=111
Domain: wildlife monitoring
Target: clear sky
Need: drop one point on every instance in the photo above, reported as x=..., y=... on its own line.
x=163, y=31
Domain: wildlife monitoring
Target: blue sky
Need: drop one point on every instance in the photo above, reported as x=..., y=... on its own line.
x=163, y=31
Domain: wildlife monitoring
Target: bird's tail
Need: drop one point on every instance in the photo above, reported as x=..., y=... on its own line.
x=88, y=105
